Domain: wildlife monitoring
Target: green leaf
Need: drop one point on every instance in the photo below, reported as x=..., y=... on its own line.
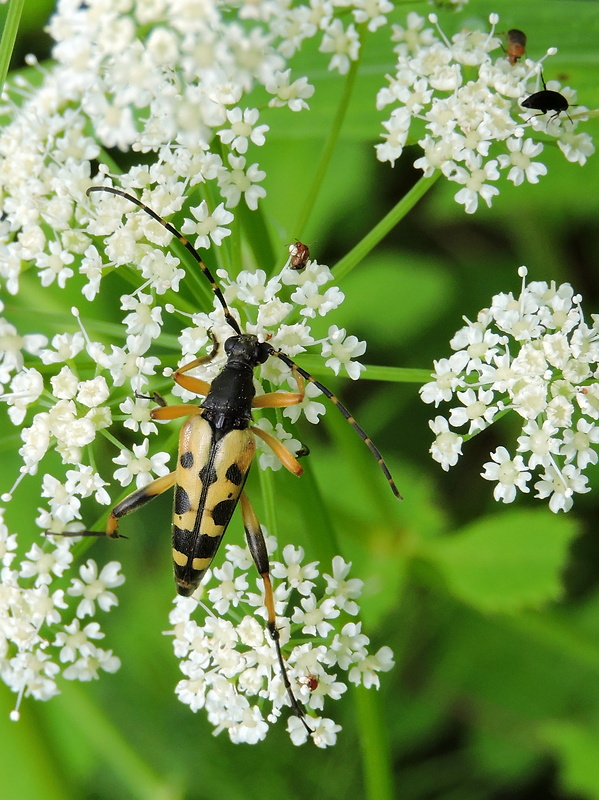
x=506, y=562
x=577, y=748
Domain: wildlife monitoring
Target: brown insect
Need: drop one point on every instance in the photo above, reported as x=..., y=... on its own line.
x=300, y=255
x=516, y=45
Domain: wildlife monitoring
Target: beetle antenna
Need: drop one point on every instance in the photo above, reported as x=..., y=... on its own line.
x=235, y=325
x=185, y=242
x=346, y=413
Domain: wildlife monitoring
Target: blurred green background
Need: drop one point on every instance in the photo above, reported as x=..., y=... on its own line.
x=492, y=611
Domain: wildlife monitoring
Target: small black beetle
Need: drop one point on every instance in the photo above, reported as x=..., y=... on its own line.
x=546, y=101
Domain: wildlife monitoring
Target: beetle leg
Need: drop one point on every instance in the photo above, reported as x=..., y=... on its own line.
x=132, y=502
x=287, y=459
x=196, y=385
x=257, y=545
x=282, y=399
x=176, y=411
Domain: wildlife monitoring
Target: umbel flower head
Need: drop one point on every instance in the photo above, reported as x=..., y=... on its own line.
x=461, y=100
x=230, y=665
x=171, y=82
x=45, y=633
x=534, y=354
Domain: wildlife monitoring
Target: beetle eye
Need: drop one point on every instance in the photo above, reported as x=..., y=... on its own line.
x=230, y=344
x=263, y=351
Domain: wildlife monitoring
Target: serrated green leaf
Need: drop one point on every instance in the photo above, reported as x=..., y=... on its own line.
x=507, y=562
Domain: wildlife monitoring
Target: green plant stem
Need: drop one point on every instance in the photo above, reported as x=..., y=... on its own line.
x=9, y=35
x=267, y=488
x=315, y=366
x=331, y=142
x=389, y=221
x=376, y=762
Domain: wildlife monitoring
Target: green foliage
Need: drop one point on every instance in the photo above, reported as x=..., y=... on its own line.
x=508, y=561
x=493, y=615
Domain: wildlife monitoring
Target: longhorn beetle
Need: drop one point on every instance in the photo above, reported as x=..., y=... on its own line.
x=216, y=448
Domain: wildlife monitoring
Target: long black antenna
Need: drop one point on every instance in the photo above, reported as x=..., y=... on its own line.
x=235, y=325
x=185, y=242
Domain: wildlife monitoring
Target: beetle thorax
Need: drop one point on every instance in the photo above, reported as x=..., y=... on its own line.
x=228, y=404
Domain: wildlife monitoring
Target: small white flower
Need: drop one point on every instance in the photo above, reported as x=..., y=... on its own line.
x=560, y=486
x=447, y=447
x=299, y=577
x=93, y=587
x=577, y=444
x=228, y=591
x=53, y=266
x=137, y=465
x=293, y=95
x=539, y=441
x=448, y=377
x=313, y=616
x=94, y=392
x=520, y=162
x=365, y=670
x=25, y=389
x=243, y=129
x=511, y=475
x=44, y=564
x=344, y=43
x=310, y=408
x=475, y=177
x=65, y=384
x=344, y=592
x=340, y=350
x=237, y=182
x=209, y=227
x=476, y=410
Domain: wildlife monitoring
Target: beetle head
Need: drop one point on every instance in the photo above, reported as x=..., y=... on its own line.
x=247, y=348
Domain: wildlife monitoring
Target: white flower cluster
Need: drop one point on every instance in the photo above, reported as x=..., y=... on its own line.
x=230, y=665
x=463, y=107
x=536, y=355
x=43, y=635
x=171, y=79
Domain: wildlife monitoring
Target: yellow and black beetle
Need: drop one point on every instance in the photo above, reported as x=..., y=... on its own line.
x=216, y=449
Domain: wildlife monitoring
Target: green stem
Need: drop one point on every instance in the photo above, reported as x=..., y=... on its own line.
x=315, y=366
x=376, y=762
x=267, y=487
x=389, y=221
x=9, y=34
x=331, y=142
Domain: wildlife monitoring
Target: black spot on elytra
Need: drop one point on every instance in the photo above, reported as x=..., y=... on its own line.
x=234, y=474
x=181, y=537
x=207, y=475
x=206, y=546
x=223, y=511
x=186, y=460
x=182, y=503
